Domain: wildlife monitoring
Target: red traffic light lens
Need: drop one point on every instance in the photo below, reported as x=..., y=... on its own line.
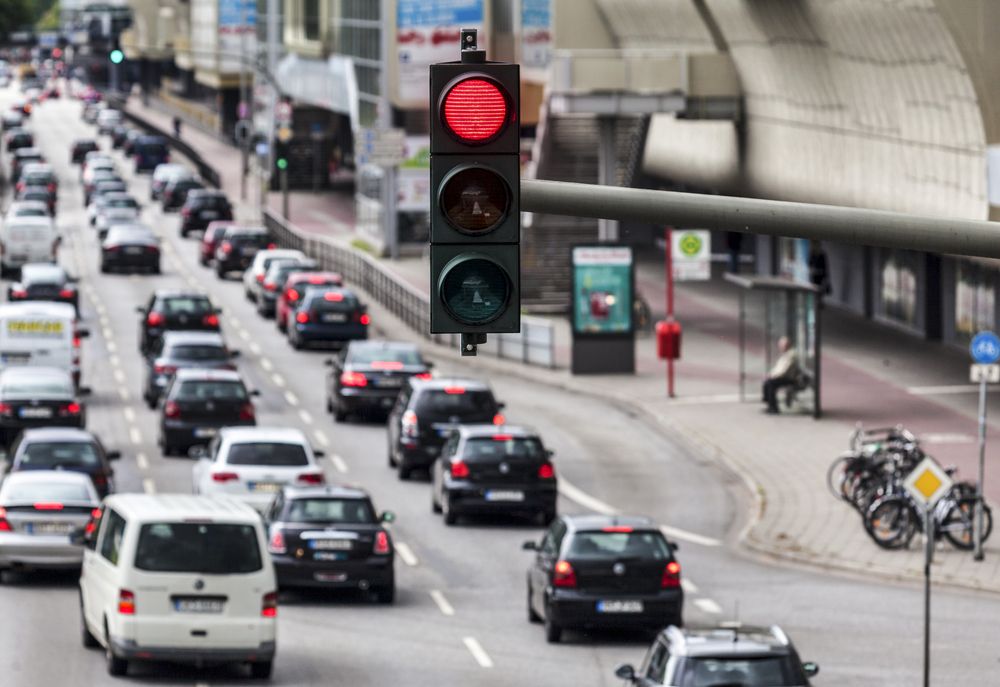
x=475, y=110
x=475, y=200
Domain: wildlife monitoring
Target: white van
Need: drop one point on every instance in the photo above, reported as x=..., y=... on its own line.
x=172, y=577
x=27, y=239
x=107, y=120
x=42, y=333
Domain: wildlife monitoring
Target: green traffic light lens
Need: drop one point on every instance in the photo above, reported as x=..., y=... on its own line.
x=282, y=163
x=117, y=56
x=475, y=200
x=475, y=290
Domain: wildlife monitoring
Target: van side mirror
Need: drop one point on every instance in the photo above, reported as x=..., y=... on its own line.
x=529, y=546
x=388, y=516
x=625, y=672
x=810, y=668
x=114, y=455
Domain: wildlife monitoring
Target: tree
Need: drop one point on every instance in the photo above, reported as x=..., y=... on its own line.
x=13, y=15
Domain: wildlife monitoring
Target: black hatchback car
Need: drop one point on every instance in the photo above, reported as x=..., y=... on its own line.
x=328, y=316
x=197, y=403
x=42, y=281
x=490, y=469
x=331, y=537
x=130, y=247
x=367, y=376
x=201, y=207
x=64, y=448
x=238, y=246
x=19, y=138
x=425, y=414
x=33, y=396
x=80, y=148
x=178, y=350
x=175, y=192
x=175, y=309
x=603, y=572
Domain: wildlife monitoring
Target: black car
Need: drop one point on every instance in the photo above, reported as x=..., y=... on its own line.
x=118, y=135
x=175, y=192
x=328, y=316
x=197, y=402
x=20, y=158
x=17, y=139
x=733, y=654
x=64, y=448
x=42, y=281
x=148, y=152
x=201, y=207
x=33, y=396
x=183, y=349
x=331, y=537
x=40, y=193
x=130, y=247
x=80, y=149
x=367, y=376
x=274, y=281
x=173, y=310
x=237, y=248
x=604, y=572
x=486, y=469
x=427, y=411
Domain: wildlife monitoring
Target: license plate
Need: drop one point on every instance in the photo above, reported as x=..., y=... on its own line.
x=329, y=556
x=206, y=432
x=390, y=382
x=36, y=412
x=619, y=607
x=209, y=214
x=330, y=576
x=50, y=527
x=333, y=317
x=249, y=252
x=504, y=495
x=198, y=605
x=133, y=250
x=15, y=358
x=266, y=487
x=331, y=544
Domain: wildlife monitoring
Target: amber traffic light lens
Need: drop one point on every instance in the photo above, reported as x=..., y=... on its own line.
x=475, y=200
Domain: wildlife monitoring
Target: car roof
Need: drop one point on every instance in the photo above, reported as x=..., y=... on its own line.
x=288, y=435
x=728, y=640
x=595, y=521
x=488, y=430
x=67, y=434
x=181, y=336
x=40, y=270
x=343, y=491
x=243, y=229
x=207, y=375
x=65, y=476
x=160, y=507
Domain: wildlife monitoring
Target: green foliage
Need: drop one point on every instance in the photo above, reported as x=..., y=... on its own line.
x=14, y=14
x=49, y=19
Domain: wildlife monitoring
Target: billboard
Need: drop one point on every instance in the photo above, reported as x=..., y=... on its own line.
x=536, y=33
x=427, y=32
x=602, y=290
x=237, y=34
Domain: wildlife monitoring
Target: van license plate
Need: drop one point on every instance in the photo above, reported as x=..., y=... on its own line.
x=504, y=495
x=619, y=607
x=36, y=413
x=198, y=605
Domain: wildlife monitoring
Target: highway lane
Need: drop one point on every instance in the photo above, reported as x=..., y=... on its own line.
x=860, y=632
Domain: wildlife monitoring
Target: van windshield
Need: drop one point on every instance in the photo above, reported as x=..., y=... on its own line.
x=208, y=548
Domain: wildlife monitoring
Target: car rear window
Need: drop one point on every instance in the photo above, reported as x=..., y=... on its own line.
x=501, y=446
x=121, y=203
x=198, y=352
x=51, y=492
x=185, y=305
x=276, y=454
x=467, y=405
x=746, y=672
x=213, y=202
x=208, y=548
x=366, y=355
x=644, y=544
x=340, y=511
x=249, y=239
x=30, y=387
x=332, y=301
x=199, y=390
x=151, y=149
x=43, y=455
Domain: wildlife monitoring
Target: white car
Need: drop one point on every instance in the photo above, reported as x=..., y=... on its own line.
x=27, y=208
x=174, y=577
x=253, y=276
x=254, y=463
x=107, y=120
x=113, y=216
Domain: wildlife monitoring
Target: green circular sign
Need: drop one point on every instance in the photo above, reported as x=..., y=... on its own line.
x=690, y=244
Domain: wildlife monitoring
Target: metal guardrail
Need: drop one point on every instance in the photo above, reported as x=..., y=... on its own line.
x=534, y=345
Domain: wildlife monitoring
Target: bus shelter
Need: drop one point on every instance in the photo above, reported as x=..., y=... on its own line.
x=772, y=309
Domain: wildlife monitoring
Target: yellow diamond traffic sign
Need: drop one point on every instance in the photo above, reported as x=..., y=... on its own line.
x=927, y=483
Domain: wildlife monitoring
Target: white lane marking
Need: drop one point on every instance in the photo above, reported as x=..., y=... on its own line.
x=148, y=486
x=406, y=554
x=266, y=364
x=442, y=603
x=244, y=334
x=119, y=375
x=292, y=399
x=106, y=332
x=142, y=461
x=129, y=415
x=278, y=379
x=321, y=438
x=123, y=393
x=705, y=400
x=945, y=390
x=305, y=416
x=688, y=586
x=115, y=360
x=135, y=435
x=338, y=463
x=235, y=321
x=254, y=348
x=111, y=346
x=584, y=499
x=192, y=282
x=478, y=652
x=708, y=606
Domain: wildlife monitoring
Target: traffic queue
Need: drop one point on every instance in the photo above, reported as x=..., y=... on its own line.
x=196, y=578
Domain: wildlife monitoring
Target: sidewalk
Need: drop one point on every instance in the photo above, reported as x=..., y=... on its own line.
x=871, y=374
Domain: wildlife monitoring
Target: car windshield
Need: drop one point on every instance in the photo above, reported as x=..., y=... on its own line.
x=764, y=671
x=197, y=352
x=620, y=544
x=200, y=390
x=440, y=405
x=44, y=492
x=368, y=355
x=52, y=454
x=339, y=511
x=186, y=305
x=276, y=454
x=500, y=446
x=210, y=548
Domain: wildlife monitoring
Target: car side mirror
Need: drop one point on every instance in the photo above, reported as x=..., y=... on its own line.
x=234, y=353
x=85, y=391
x=198, y=452
x=218, y=311
x=549, y=453
x=318, y=453
x=388, y=516
x=428, y=364
x=625, y=672
x=810, y=668
x=254, y=392
x=529, y=546
x=501, y=405
x=114, y=455
x=83, y=333
x=328, y=362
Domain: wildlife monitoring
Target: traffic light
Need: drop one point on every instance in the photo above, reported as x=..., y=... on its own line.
x=116, y=56
x=475, y=187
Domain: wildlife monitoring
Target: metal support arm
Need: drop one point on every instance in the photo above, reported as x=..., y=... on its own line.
x=771, y=217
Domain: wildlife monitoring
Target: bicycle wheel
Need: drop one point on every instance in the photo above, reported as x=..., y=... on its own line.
x=958, y=524
x=891, y=522
x=837, y=476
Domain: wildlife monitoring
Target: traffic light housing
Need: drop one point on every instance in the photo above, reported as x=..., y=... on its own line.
x=475, y=187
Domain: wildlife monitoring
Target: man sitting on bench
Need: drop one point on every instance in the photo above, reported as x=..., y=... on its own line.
x=784, y=373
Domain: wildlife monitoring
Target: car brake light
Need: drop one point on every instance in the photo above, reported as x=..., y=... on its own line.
x=48, y=506
x=621, y=529
x=503, y=437
x=454, y=390
x=333, y=296
x=224, y=476
x=387, y=365
x=276, y=544
x=546, y=471
x=381, y=543
x=269, y=605
x=210, y=320
x=408, y=425
x=317, y=280
x=99, y=480
x=563, y=575
x=312, y=478
x=499, y=419
x=172, y=410
x=161, y=369
x=260, y=278
x=18, y=293
x=155, y=319
x=270, y=286
x=66, y=293
x=91, y=527
x=353, y=379
x=423, y=375
x=126, y=602
x=186, y=212
x=247, y=411
x=73, y=408
x=5, y=409
x=365, y=319
x=226, y=248
x=291, y=295
x=671, y=575
x=459, y=469
x=302, y=317
x=272, y=245
x=51, y=188
x=4, y=525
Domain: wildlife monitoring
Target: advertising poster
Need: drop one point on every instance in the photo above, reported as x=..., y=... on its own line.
x=415, y=175
x=602, y=289
x=237, y=33
x=536, y=33
x=429, y=31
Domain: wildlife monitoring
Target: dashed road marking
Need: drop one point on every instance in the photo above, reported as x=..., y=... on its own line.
x=107, y=333
x=135, y=435
x=142, y=461
x=688, y=586
x=478, y=652
x=129, y=414
x=442, y=603
x=406, y=554
x=235, y=321
x=148, y=486
x=321, y=438
x=338, y=463
x=111, y=346
x=119, y=375
x=291, y=398
x=254, y=348
x=123, y=394
x=708, y=606
x=266, y=364
x=305, y=416
x=244, y=334
x=278, y=379
x=114, y=360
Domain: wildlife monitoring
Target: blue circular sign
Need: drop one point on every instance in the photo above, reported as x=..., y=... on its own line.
x=985, y=348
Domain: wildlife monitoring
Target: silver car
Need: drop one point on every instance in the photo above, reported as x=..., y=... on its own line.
x=39, y=510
